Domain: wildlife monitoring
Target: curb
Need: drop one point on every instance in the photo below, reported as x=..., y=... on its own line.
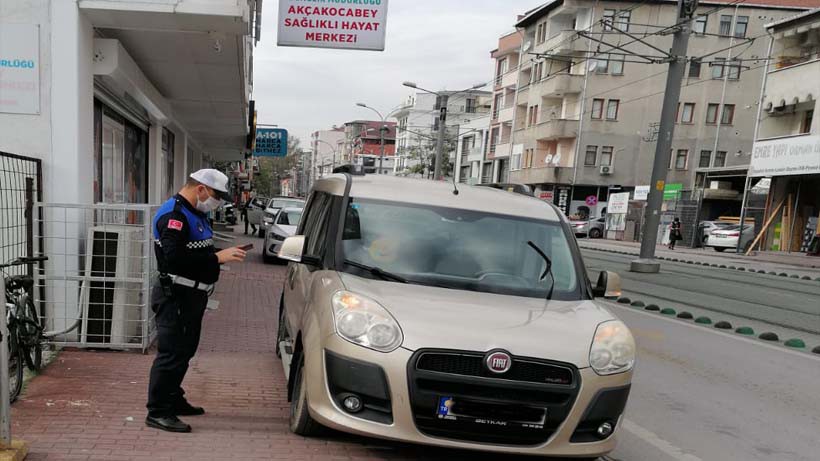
x=707, y=264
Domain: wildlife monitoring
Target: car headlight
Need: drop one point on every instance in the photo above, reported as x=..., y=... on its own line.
x=613, y=349
x=365, y=322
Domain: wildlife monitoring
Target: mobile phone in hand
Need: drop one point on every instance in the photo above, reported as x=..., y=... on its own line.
x=247, y=247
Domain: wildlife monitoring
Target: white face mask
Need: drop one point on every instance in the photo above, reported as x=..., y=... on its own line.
x=208, y=205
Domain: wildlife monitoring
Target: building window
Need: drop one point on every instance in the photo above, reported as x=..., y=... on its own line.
x=725, y=25
x=602, y=64
x=741, y=25
x=681, y=159
x=807, y=121
x=688, y=113
x=609, y=19
x=623, y=20
x=499, y=98
x=720, y=159
x=591, y=157
x=734, y=71
x=616, y=65
x=728, y=114
x=705, y=158
x=597, y=109
x=700, y=24
x=718, y=68
x=528, y=158
x=532, y=118
x=711, y=114
x=471, y=106
x=606, y=155
x=694, y=68
x=612, y=109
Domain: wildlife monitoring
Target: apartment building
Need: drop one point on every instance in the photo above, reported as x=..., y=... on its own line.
x=328, y=146
x=470, y=155
x=506, y=60
x=418, y=123
x=121, y=99
x=363, y=145
x=587, y=114
x=784, y=177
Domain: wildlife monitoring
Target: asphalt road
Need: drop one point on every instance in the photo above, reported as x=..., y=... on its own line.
x=701, y=395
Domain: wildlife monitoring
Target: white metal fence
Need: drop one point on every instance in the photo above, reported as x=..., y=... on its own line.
x=95, y=291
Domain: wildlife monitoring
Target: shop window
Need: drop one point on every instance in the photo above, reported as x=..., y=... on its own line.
x=120, y=158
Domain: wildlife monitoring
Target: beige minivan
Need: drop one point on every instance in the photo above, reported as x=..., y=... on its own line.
x=463, y=318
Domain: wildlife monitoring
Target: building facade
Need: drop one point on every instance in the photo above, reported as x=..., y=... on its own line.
x=328, y=146
x=782, y=200
x=506, y=57
x=471, y=151
x=363, y=143
x=587, y=114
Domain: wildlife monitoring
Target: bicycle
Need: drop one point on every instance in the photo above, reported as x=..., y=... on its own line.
x=25, y=330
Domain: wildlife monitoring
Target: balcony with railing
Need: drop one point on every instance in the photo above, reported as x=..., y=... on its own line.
x=564, y=41
x=558, y=85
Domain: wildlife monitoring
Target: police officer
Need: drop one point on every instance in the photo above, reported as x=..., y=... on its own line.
x=189, y=266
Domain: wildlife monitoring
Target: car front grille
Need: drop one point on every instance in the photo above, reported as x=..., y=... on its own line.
x=499, y=409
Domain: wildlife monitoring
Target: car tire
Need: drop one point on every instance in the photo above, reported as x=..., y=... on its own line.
x=281, y=332
x=596, y=233
x=268, y=259
x=301, y=423
x=720, y=249
x=261, y=233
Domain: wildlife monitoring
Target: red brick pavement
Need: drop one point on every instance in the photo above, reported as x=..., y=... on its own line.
x=90, y=405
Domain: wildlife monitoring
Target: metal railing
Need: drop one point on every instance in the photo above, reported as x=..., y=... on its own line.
x=99, y=276
x=20, y=186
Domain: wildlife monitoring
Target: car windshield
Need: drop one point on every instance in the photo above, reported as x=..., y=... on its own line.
x=290, y=218
x=460, y=249
x=276, y=203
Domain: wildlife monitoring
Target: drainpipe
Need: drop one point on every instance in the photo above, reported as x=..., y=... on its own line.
x=756, y=134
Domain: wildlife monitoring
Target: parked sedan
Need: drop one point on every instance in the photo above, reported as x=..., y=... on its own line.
x=272, y=209
x=727, y=237
x=594, y=228
x=706, y=227
x=283, y=226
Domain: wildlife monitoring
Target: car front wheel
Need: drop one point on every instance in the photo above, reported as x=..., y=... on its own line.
x=595, y=233
x=720, y=249
x=301, y=423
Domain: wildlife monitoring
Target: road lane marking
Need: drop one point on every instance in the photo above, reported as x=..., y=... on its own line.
x=653, y=439
x=756, y=342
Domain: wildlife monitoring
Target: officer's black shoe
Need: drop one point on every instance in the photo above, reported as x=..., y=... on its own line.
x=186, y=409
x=167, y=423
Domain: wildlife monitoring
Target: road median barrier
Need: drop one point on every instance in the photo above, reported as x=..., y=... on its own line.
x=769, y=336
x=652, y=308
x=742, y=269
x=816, y=350
x=686, y=315
x=723, y=325
x=703, y=320
x=722, y=266
x=748, y=331
x=805, y=277
x=796, y=343
x=638, y=304
x=783, y=274
x=794, y=276
x=624, y=300
x=668, y=311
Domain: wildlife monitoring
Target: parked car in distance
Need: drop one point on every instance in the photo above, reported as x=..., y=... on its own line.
x=409, y=314
x=594, y=228
x=255, y=211
x=727, y=237
x=283, y=226
x=706, y=227
x=272, y=208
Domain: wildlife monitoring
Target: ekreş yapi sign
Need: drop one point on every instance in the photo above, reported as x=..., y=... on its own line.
x=340, y=24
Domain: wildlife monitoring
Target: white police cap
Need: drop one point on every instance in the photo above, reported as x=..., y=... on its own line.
x=214, y=179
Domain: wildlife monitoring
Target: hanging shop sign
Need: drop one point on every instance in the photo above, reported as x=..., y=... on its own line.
x=339, y=24
x=796, y=155
x=19, y=68
x=271, y=142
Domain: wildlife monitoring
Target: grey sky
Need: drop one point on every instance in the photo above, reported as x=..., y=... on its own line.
x=439, y=44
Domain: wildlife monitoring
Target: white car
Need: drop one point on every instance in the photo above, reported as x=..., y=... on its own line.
x=282, y=226
x=727, y=238
x=272, y=209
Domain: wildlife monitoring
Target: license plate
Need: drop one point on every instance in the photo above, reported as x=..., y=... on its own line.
x=467, y=411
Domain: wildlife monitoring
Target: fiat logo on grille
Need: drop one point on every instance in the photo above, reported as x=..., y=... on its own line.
x=499, y=362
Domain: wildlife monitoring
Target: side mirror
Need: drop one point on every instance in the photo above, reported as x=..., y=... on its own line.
x=608, y=286
x=292, y=248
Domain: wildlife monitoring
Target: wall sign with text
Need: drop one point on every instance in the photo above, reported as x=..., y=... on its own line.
x=271, y=142
x=341, y=24
x=20, y=68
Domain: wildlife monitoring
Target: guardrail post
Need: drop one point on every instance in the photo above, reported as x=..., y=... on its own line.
x=5, y=404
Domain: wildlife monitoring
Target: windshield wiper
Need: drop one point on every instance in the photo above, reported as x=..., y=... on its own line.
x=547, y=269
x=378, y=272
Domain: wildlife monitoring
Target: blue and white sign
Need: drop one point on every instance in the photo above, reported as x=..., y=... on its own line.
x=271, y=142
x=19, y=68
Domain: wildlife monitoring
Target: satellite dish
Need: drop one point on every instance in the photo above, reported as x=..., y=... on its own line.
x=527, y=46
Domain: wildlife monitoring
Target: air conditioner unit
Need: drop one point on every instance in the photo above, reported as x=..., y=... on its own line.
x=112, y=296
x=607, y=170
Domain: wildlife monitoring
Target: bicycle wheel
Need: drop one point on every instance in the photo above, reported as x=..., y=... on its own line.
x=15, y=365
x=31, y=335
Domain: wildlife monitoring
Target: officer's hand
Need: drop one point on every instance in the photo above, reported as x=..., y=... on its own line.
x=231, y=255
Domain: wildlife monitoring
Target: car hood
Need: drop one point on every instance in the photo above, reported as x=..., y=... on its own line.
x=432, y=317
x=287, y=231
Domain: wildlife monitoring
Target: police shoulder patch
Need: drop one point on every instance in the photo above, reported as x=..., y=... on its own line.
x=174, y=224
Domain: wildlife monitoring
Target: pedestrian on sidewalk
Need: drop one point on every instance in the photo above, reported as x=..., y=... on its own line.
x=675, y=233
x=189, y=266
x=248, y=204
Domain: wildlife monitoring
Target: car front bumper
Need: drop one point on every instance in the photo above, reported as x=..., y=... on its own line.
x=403, y=422
x=729, y=242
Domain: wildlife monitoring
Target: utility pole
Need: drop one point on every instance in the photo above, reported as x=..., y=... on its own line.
x=442, y=127
x=647, y=263
x=381, y=155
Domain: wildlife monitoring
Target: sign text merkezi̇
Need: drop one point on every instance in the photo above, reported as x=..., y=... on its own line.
x=341, y=24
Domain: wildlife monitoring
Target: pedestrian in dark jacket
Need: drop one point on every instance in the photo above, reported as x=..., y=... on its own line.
x=675, y=233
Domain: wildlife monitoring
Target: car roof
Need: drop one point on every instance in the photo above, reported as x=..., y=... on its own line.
x=291, y=209
x=439, y=193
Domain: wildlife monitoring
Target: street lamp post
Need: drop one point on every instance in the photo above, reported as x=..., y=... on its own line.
x=332, y=150
x=442, y=125
x=381, y=131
